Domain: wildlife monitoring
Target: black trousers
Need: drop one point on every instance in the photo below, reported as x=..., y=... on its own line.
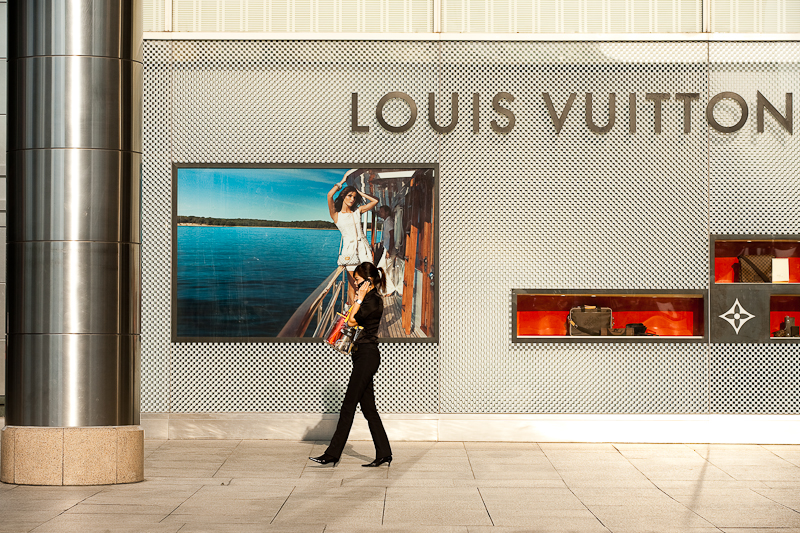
x=360, y=390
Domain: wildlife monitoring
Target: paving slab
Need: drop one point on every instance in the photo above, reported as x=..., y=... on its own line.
x=520, y=483
x=564, y=527
x=648, y=518
x=250, y=528
x=103, y=522
x=761, y=530
x=570, y=519
x=621, y=496
x=437, y=513
x=530, y=500
x=662, y=528
x=398, y=529
x=749, y=517
x=787, y=497
x=340, y=512
x=576, y=447
x=394, y=493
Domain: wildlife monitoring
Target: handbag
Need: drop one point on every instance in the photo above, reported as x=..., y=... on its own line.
x=342, y=337
x=788, y=329
x=755, y=268
x=349, y=256
x=335, y=330
x=588, y=320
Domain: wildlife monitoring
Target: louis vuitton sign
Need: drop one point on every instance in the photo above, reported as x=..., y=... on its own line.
x=503, y=118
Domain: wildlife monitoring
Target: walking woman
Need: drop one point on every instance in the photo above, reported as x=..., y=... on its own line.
x=366, y=312
x=346, y=213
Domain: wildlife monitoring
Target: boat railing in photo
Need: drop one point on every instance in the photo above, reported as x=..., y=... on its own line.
x=327, y=317
x=297, y=325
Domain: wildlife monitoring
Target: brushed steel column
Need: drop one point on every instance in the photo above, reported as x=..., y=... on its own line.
x=74, y=189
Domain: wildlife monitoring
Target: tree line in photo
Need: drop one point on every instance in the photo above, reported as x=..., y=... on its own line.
x=211, y=221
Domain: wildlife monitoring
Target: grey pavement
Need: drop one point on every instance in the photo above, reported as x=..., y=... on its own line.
x=195, y=486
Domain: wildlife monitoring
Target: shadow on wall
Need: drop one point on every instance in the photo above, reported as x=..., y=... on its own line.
x=332, y=396
x=330, y=401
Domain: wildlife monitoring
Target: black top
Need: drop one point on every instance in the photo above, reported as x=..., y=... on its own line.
x=369, y=317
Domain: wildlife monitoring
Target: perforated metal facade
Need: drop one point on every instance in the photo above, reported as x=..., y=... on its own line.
x=528, y=209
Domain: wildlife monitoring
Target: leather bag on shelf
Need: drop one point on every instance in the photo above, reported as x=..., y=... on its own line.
x=755, y=268
x=588, y=320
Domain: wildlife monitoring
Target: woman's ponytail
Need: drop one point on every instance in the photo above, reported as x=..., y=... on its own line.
x=381, y=281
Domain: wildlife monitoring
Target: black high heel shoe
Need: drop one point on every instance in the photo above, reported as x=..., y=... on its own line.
x=379, y=462
x=325, y=459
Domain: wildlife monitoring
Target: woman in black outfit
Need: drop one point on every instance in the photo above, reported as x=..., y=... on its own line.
x=367, y=312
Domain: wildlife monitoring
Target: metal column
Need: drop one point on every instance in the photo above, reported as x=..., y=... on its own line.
x=74, y=184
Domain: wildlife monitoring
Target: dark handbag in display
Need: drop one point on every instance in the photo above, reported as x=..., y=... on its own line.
x=636, y=329
x=588, y=320
x=755, y=268
x=789, y=329
x=630, y=330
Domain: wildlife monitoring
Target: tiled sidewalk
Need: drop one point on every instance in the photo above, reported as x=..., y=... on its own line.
x=441, y=487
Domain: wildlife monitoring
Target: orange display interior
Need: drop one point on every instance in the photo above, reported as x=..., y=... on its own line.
x=726, y=262
x=781, y=306
x=664, y=315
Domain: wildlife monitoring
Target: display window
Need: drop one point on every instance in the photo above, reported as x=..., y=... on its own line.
x=784, y=316
x=576, y=316
x=756, y=260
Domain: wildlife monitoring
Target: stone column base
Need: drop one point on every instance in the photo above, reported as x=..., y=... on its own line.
x=103, y=455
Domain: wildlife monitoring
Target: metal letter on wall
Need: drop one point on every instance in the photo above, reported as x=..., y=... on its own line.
x=612, y=114
x=656, y=98
x=784, y=120
x=712, y=121
x=354, y=127
x=687, y=98
x=558, y=120
x=503, y=111
x=453, y=113
x=476, y=113
x=385, y=100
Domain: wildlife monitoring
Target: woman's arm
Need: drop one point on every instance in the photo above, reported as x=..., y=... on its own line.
x=331, y=207
x=362, y=292
x=372, y=203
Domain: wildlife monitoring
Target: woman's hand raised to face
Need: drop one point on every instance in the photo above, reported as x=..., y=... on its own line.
x=363, y=289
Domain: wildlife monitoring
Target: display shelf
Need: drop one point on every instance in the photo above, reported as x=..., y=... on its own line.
x=541, y=315
x=726, y=252
x=780, y=307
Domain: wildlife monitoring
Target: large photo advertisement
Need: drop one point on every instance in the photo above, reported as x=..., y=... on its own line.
x=267, y=254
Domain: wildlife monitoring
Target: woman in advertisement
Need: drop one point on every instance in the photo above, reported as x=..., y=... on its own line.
x=366, y=312
x=346, y=213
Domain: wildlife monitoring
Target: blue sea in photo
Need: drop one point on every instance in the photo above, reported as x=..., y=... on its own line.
x=247, y=281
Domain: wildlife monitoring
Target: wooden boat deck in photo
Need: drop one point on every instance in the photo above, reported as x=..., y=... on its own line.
x=392, y=322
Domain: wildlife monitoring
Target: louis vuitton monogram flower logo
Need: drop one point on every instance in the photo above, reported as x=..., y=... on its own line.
x=736, y=316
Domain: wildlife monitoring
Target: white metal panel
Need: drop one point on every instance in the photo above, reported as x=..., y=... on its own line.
x=755, y=16
x=3, y=30
x=572, y=16
x=301, y=16
x=153, y=15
